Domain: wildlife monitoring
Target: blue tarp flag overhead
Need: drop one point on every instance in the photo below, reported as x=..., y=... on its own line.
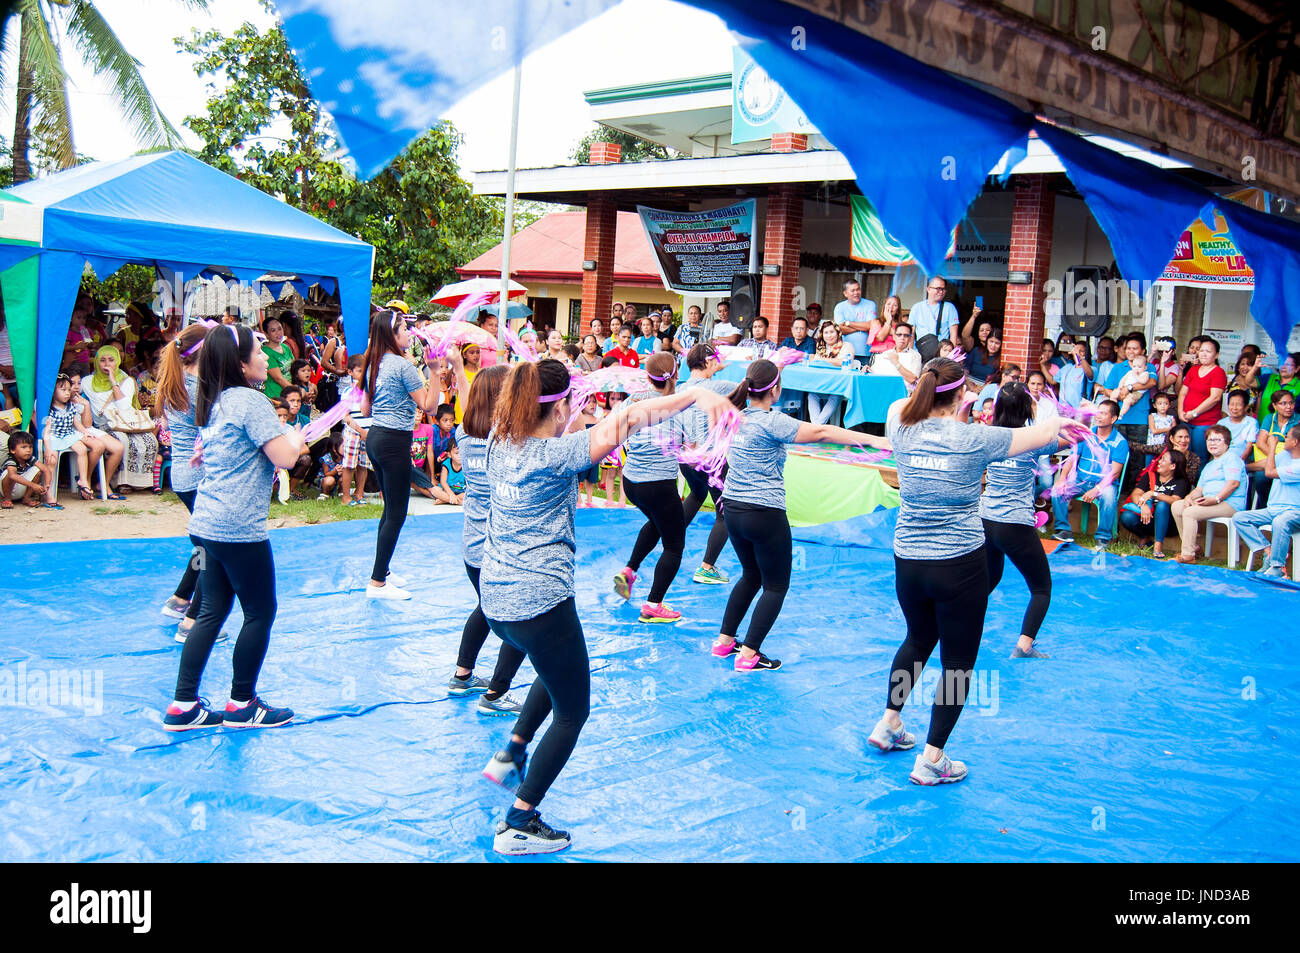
x=171, y=209
x=1271, y=246
x=388, y=70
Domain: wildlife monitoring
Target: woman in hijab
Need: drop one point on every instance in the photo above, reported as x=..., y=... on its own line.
x=114, y=407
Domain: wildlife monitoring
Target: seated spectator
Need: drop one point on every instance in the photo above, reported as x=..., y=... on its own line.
x=1273, y=429
x=22, y=476
x=1220, y=491
x=615, y=325
x=451, y=488
x=946, y=348
x=799, y=339
x=903, y=360
x=1244, y=429
x=1082, y=474
x=1150, y=507
x=1180, y=439
x=1283, y=513
x=331, y=468
x=757, y=341
x=114, y=408
x=589, y=359
x=300, y=374
x=299, y=410
x=647, y=341
x=571, y=351
x=880, y=336
x=442, y=439
x=1286, y=379
x=1246, y=376
x=1006, y=375
x=666, y=331
x=423, y=472
x=724, y=331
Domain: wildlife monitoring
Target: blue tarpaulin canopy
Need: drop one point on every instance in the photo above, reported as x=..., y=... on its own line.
x=170, y=209
x=921, y=150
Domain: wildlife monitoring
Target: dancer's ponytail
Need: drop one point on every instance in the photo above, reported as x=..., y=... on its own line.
x=183, y=350
x=762, y=376
x=937, y=386
x=528, y=395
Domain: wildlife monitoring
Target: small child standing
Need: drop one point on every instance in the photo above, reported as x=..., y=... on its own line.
x=1136, y=374
x=22, y=476
x=452, y=489
x=1160, y=421
x=355, y=463
x=280, y=484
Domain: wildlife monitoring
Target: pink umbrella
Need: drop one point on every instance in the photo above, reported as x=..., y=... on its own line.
x=453, y=294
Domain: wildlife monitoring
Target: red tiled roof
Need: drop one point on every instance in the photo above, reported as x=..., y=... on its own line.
x=551, y=248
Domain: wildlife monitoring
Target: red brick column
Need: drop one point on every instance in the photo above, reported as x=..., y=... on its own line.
x=782, y=240
x=1031, y=250
x=598, y=285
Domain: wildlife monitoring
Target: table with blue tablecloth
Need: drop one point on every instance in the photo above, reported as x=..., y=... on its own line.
x=866, y=396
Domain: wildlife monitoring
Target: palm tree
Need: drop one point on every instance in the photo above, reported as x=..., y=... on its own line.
x=47, y=29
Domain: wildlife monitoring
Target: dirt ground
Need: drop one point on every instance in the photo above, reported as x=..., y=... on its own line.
x=140, y=516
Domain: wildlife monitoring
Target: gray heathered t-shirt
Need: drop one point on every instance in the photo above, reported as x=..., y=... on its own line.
x=478, y=495
x=528, y=556
x=181, y=427
x=756, y=460
x=646, y=459
x=1009, y=490
x=940, y=462
x=235, y=492
x=695, y=422
x=393, y=407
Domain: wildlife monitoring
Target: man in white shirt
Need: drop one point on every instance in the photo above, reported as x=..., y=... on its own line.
x=690, y=333
x=724, y=332
x=934, y=315
x=903, y=361
x=854, y=316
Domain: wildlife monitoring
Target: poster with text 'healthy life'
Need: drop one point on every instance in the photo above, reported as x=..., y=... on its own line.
x=700, y=252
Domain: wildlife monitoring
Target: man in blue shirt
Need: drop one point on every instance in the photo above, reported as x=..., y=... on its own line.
x=1132, y=425
x=934, y=315
x=799, y=338
x=1081, y=474
x=1283, y=511
x=854, y=316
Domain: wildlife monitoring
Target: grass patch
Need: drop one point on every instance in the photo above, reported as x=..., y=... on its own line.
x=116, y=511
x=333, y=510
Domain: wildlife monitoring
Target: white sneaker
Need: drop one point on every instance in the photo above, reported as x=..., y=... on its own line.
x=283, y=489
x=388, y=591
x=395, y=580
x=536, y=837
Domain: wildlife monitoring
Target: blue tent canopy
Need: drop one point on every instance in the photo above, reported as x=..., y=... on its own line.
x=170, y=209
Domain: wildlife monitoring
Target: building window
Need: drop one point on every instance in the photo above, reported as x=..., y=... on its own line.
x=575, y=319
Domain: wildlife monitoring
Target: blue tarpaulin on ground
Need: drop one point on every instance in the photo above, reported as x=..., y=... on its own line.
x=1165, y=726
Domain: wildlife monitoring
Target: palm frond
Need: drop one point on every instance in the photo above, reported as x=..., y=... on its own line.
x=104, y=52
x=49, y=84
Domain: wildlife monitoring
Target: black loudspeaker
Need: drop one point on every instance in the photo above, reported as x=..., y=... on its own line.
x=1085, y=301
x=746, y=293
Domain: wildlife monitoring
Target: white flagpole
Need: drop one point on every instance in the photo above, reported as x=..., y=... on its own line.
x=503, y=304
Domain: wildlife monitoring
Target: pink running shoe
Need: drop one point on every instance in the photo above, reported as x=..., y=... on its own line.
x=623, y=580
x=725, y=649
x=659, y=613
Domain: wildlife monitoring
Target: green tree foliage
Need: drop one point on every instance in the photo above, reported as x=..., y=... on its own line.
x=263, y=126
x=129, y=283
x=635, y=149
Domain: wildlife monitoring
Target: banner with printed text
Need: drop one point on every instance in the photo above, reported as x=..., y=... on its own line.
x=1208, y=258
x=700, y=252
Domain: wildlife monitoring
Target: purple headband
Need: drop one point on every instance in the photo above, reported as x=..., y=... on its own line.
x=197, y=344
x=551, y=398
x=759, y=390
x=946, y=387
x=671, y=374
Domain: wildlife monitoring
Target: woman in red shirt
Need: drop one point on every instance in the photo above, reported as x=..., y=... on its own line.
x=1200, y=399
x=623, y=350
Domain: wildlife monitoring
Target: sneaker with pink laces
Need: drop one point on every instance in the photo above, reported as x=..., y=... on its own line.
x=659, y=613
x=623, y=580
x=723, y=649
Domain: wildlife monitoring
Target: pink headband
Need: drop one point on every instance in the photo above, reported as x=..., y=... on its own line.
x=946, y=387
x=759, y=390
x=234, y=331
x=668, y=376
x=550, y=398
x=197, y=344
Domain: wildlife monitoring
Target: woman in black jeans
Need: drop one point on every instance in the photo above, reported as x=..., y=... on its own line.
x=940, y=570
x=1007, y=511
x=177, y=391
x=394, y=394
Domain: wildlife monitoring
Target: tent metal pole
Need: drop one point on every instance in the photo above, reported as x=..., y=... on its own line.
x=509, y=228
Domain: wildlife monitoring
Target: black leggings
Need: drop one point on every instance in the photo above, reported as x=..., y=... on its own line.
x=1021, y=545
x=189, y=585
x=761, y=537
x=246, y=570
x=390, y=457
x=700, y=490
x=475, y=634
x=554, y=644
x=943, y=601
x=665, y=520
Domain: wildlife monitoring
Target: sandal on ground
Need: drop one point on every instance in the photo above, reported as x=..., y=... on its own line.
x=6, y=504
x=85, y=492
x=115, y=496
x=52, y=506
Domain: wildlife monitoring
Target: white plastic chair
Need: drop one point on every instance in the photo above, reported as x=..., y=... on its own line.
x=1225, y=521
x=73, y=470
x=1295, y=552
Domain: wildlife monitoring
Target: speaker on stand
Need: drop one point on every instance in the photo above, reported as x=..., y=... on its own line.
x=746, y=291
